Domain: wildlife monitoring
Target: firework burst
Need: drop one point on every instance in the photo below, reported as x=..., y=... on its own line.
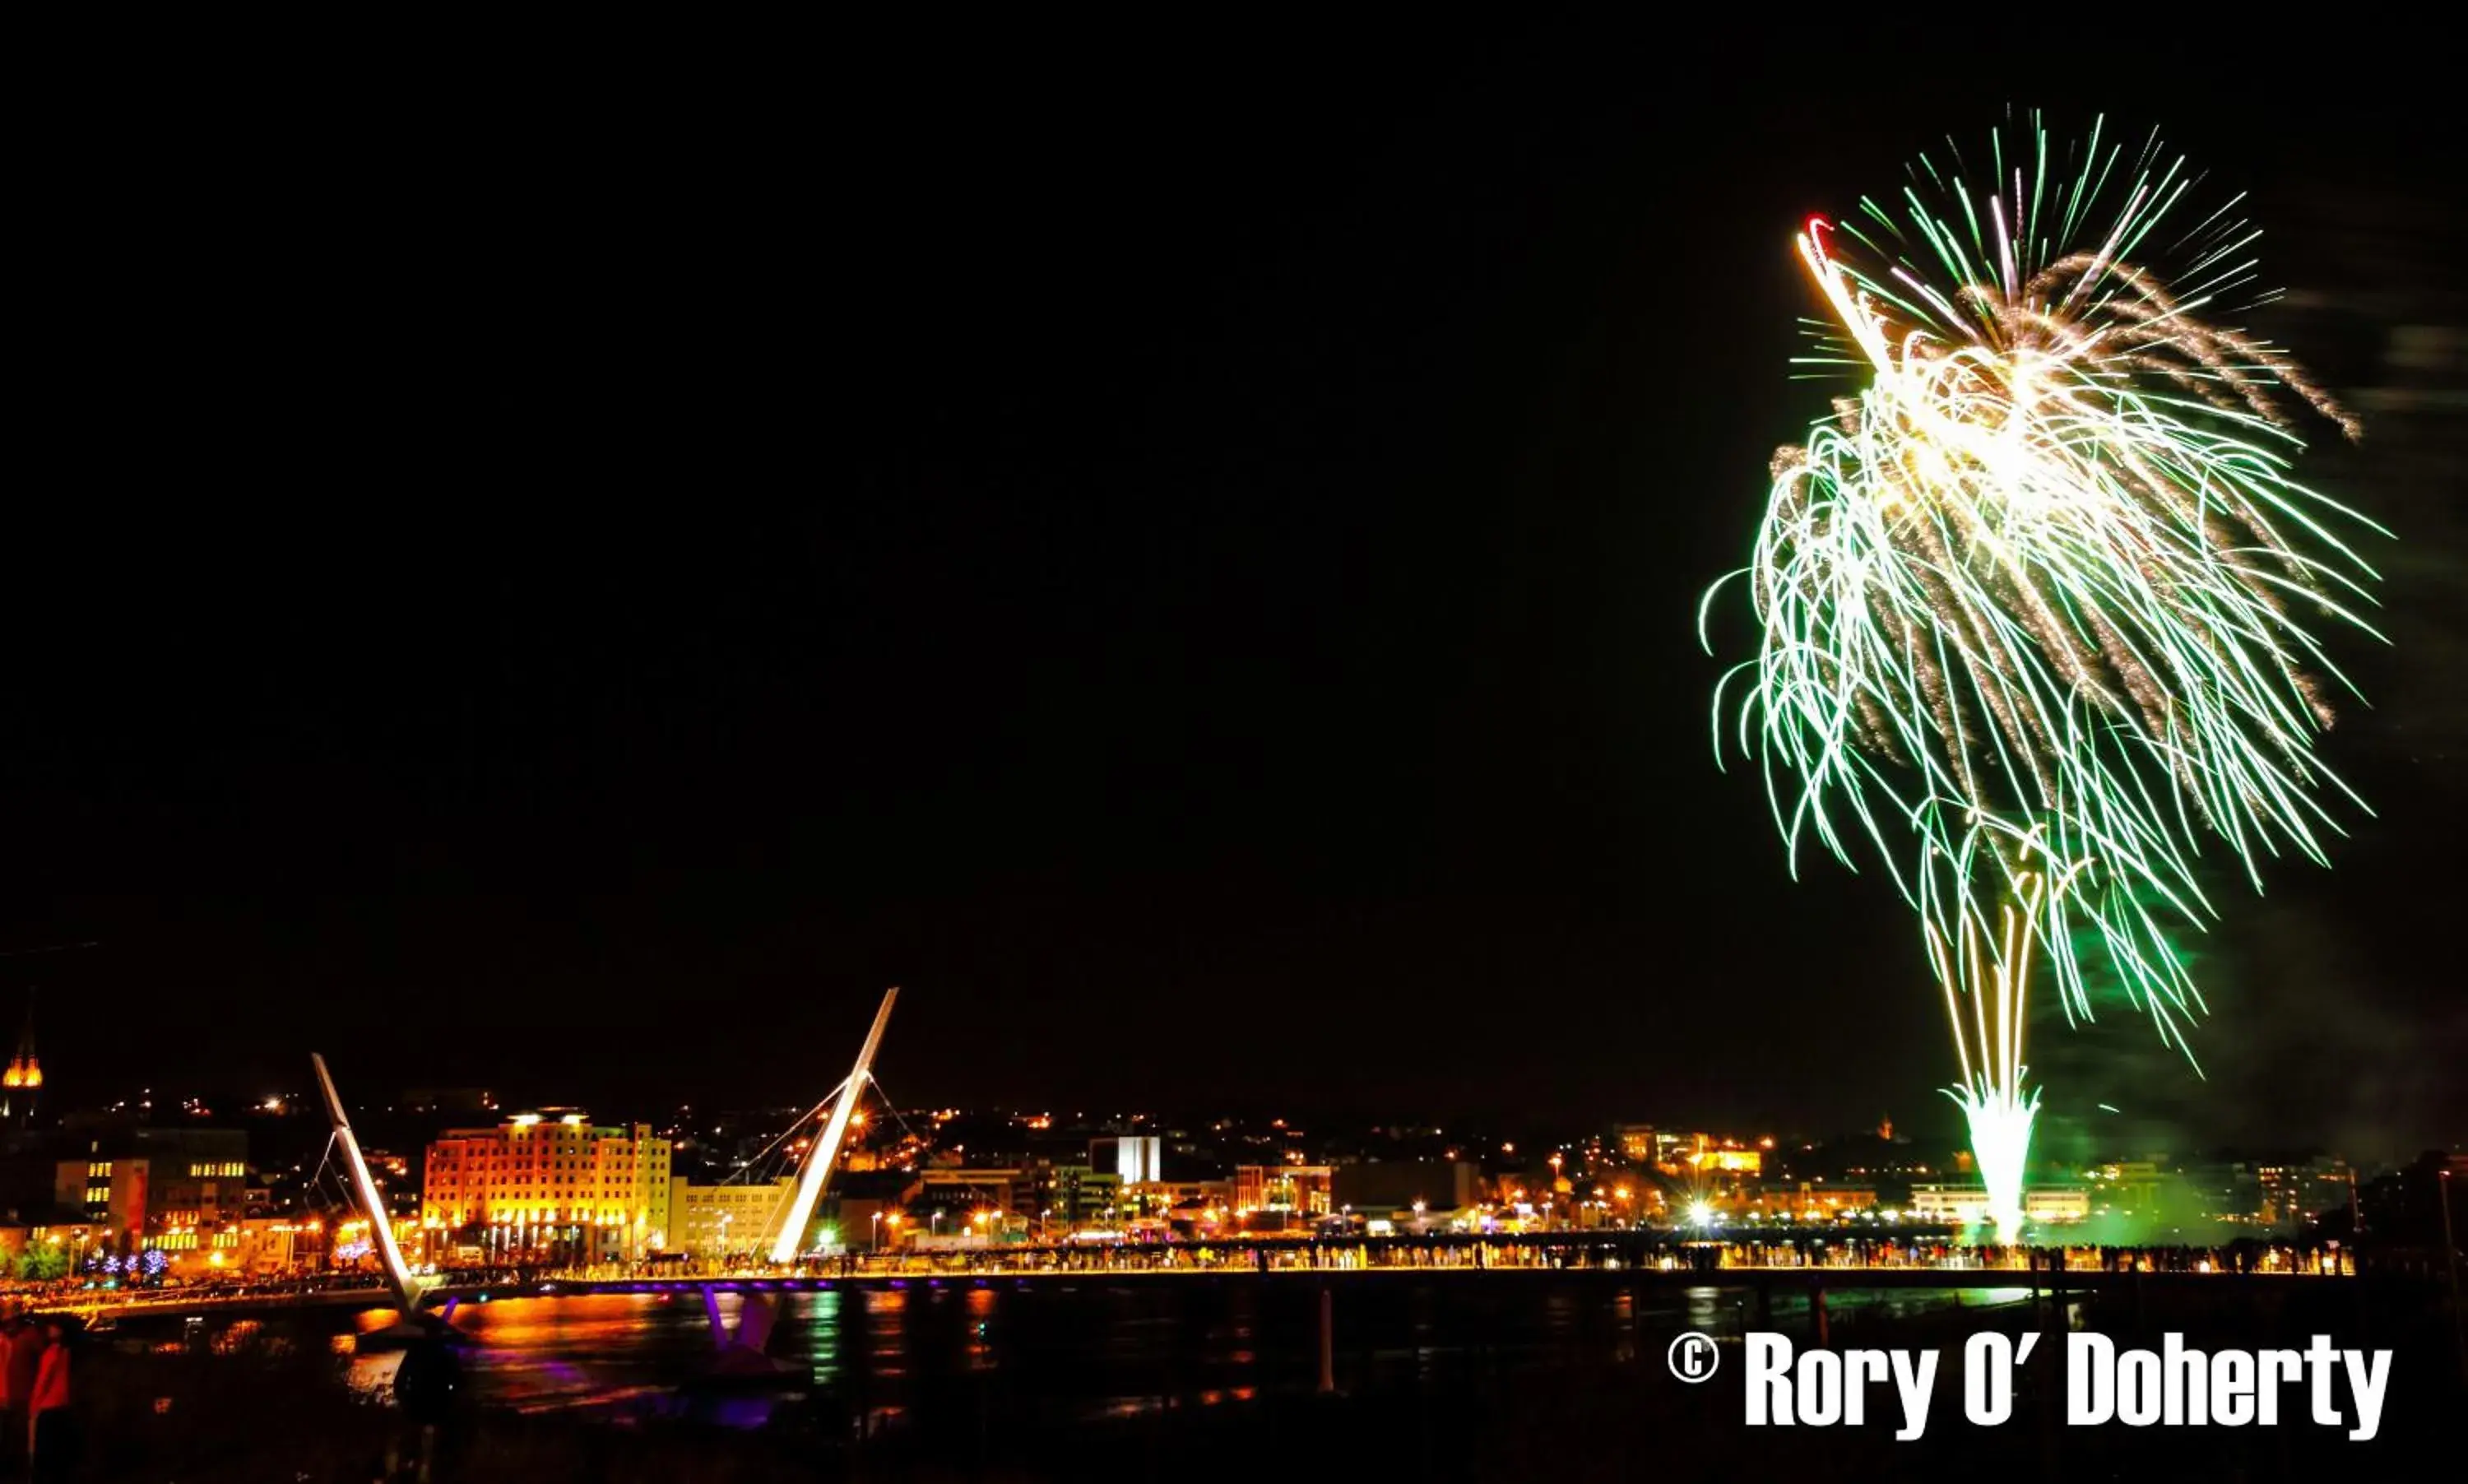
x=2039, y=604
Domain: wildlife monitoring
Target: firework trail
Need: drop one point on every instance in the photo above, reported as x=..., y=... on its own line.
x=2038, y=605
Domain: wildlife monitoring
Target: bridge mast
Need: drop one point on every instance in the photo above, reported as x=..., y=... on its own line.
x=826, y=1154
x=380, y=1225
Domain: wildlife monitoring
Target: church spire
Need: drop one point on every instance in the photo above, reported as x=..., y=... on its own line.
x=24, y=1076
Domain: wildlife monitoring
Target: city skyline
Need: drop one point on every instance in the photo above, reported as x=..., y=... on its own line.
x=1521, y=1140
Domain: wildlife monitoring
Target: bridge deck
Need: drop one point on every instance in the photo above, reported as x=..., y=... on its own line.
x=1796, y=1277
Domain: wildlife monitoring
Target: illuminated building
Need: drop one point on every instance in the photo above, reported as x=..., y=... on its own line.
x=2056, y=1203
x=717, y=1221
x=1727, y=1161
x=1637, y=1142
x=24, y=1076
x=1820, y=1202
x=1700, y=1154
x=1070, y=1195
x=1184, y=1200
x=2293, y=1194
x=553, y=1185
x=175, y=1190
x=1135, y=1160
x=1137, y=1165
x=965, y=1188
x=1270, y=1196
x=1968, y=1205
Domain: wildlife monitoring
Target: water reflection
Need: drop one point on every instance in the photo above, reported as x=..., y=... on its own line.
x=879, y=1355
x=822, y=1337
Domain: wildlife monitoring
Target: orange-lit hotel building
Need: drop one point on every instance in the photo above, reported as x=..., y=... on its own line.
x=548, y=1186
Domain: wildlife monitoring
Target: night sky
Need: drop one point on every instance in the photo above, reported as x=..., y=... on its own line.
x=1194, y=579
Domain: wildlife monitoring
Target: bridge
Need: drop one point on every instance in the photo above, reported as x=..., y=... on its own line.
x=1812, y=1262
x=408, y=1292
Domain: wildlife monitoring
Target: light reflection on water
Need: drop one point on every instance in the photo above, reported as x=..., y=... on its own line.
x=1099, y=1349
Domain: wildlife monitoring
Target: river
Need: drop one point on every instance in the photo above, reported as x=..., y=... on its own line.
x=1093, y=1349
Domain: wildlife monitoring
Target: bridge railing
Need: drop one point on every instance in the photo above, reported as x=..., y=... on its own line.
x=1630, y=1250
x=1635, y=1251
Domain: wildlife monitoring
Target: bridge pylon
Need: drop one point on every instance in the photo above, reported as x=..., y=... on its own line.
x=364, y=1188
x=790, y=1239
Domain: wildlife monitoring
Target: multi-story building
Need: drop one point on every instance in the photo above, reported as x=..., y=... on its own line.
x=550, y=1186
x=1637, y=1142
x=719, y=1221
x=1815, y=1201
x=2295, y=1192
x=1068, y=1196
x=1969, y=1203
x=1139, y=1160
x=1266, y=1194
x=1182, y=1199
x=1703, y=1154
x=959, y=1192
x=174, y=1190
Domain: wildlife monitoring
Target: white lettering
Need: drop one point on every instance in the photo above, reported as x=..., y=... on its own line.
x=2184, y=1388
x=2366, y=1377
x=1821, y=1388
x=1916, y=1385
x=1987, y=1379
x=2231, y=1388
x=2185, y=1371
x=2174, y=1386
x=1859, y=1368
x=2321, y=1359
x=2279, y=1367
x=2090, y=1376
x=2139, y=1388
x=1768, y=1381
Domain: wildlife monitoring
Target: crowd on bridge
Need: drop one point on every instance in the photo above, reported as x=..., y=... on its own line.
x=1557, y=1252
x=1859, y=1253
